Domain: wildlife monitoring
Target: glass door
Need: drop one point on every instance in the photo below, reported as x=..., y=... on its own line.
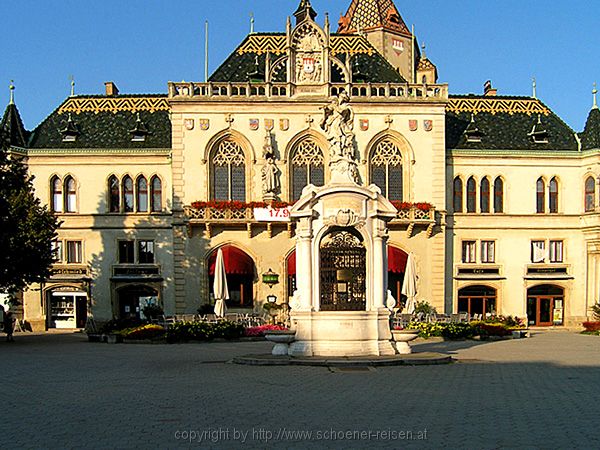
x=540, y=311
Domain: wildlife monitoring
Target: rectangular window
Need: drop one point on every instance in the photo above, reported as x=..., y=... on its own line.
x=538, y=251
x=146, y=252
x=488, y=252
x=556, y=251
x=74, y=252
x=468, y=252
x=126, y=255
x=57, y=250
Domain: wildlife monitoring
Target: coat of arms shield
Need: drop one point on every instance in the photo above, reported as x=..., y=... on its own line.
x=269, y=124
x=284, y=124
x=413, y=125
x=204, y=124
x=309, y=64
x=189, y=124
x=428, y=125
x=254, y=124
x=364, y=124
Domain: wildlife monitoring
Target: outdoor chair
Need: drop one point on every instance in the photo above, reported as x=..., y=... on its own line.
x=455, y=318
x=464, y=317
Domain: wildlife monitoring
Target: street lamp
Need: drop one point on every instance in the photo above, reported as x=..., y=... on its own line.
x=270, y=278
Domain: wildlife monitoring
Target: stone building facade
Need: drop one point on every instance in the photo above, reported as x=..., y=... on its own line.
x=497, y=197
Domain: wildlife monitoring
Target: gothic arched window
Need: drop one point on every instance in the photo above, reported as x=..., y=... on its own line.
x=70, y=195
x=307, y=167
x=498, y=195
x=127, y=194
x=553, y=197
x=142, y=194
x=57, y=194
x=457, y=203
x=386, y=169
x=156, y=199
x=485, y=195
x=471, y=195
x=228, y=174
x=540, y=189
x=114, y=196
x=590, y=194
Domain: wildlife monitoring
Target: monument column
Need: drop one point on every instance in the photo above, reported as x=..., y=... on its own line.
x=379, y=270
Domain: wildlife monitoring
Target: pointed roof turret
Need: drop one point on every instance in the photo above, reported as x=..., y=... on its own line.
x=590, y=138
x=371, y=14
x=304, y=10
x=12, y=125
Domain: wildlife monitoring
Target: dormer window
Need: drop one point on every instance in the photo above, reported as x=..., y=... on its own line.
x=139, y=133
x=472, y=132
x=70, y=131
x=539, y=134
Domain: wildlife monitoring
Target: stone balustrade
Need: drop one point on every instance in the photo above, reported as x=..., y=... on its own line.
x=358, y=91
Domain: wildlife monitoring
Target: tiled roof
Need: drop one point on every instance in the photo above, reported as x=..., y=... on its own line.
x=505, y=123
x=13, y=128
x=368, y=63
x=369, y=14
x=590, y=138
x=106, y=123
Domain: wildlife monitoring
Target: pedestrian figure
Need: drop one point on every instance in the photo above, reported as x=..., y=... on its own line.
x=9, y=324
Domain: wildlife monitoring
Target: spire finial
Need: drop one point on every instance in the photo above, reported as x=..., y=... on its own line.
x=423, y=47
x=12, y=92
x=251, y=22
x=534, y=88
x=594, y=93
x=72, y=78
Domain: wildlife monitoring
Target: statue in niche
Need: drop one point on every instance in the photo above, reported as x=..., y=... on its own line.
x=270, y=172
x=338, y=123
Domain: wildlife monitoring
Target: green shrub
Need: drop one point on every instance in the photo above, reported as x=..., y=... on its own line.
x=425, y=308
x=484, y=329
x=203, y=331
x=427, y=330
x=458, y=331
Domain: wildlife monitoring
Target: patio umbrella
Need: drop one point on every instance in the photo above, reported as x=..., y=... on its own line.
x=220, y=286
x=409, y=285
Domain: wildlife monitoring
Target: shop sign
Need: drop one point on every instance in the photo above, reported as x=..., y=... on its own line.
x=79, y=271
x=272, y=214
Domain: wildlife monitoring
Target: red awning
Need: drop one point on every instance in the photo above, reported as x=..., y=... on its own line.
x=291, y=264
x=396, y=260
x=236, y=262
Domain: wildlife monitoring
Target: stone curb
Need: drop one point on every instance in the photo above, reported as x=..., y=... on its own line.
x=416, y=359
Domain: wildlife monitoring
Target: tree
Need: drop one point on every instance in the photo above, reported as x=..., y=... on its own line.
x=27, y=228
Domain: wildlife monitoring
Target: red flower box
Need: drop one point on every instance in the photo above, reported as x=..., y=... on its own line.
x=591, y=326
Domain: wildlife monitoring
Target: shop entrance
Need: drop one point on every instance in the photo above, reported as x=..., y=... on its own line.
x=477, y=301
x=396, y=269
x=239, y=268
x=132, y=300
x=67, y=309
x=545, y=305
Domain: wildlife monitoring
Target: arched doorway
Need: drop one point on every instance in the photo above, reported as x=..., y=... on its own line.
x=240, y=276
x=132, y=300
x=545, y=305
x=290, y=264
x=343, y=271
x=396, y=268
x=67, y=307
x=477, y=301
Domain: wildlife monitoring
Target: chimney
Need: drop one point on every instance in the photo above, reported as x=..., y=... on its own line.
x=111, y=89
x=488, y=90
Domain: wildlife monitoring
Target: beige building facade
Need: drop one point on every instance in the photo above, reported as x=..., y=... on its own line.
x=493, y=193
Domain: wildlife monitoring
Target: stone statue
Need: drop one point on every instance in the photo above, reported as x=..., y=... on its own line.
x=270, y=172
x=338, y=122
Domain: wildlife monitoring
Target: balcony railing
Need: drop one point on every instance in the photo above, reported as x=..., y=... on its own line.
x=208, y=216
x=282, y=91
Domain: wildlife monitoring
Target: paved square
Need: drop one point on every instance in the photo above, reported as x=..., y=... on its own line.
x=62, y=392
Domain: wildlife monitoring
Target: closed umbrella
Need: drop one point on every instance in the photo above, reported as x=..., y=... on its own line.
x=220, y=286
x=409, y=285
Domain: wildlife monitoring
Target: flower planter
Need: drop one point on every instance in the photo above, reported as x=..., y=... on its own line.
x=401, y=340
x=519, y=334
x=282, y=340
x=114, y=338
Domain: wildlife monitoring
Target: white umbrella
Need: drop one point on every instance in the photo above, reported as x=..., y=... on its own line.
x=409, y=285
x=220, y=286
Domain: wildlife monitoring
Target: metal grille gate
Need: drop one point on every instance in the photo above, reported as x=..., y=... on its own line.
x=343, y=272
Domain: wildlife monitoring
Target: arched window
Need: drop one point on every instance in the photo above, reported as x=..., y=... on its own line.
x=70, y=195
x=540, y=196
x=114, y=196
x=228, y=172
x=57, y=194
x=553, y=195
x=142, y=194
x=471, y=195
x=386, y=169
x=458, y=195
x=307, y=167
x=498, y=195
x=590, y=194
x=127, y=194
x=485, y=195
x=156, y=200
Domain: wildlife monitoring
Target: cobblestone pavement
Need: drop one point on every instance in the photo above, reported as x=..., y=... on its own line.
x=60, y=391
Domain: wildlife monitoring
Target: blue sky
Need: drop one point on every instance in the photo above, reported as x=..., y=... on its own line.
x=143, y=44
